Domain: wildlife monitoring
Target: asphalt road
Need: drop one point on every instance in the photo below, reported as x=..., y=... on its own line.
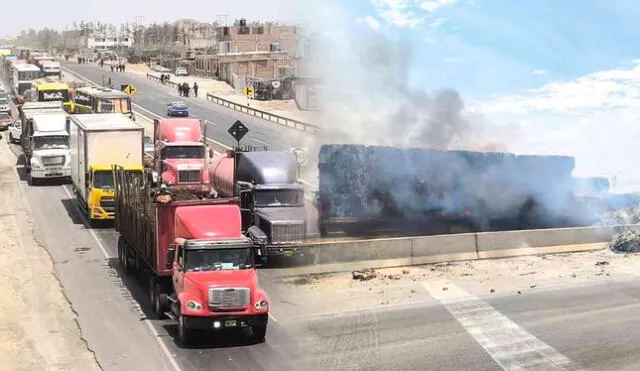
x=591, y=324
x=154, y=97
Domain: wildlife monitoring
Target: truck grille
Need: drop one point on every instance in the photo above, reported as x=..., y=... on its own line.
x=189, y=176
x=108, y=204
x=230, y=297
x=53, y=160
x=288, y=232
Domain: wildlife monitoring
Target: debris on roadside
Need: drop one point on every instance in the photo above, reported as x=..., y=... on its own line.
x=627, y=242
x=601, y=263
x=364, y=275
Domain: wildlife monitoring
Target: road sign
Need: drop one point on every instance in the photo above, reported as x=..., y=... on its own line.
x=238, y=131
x=248, y=90
x=301, y=155
x=129, y=89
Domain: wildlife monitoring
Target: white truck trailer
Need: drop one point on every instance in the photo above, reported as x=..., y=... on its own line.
x=97, y=142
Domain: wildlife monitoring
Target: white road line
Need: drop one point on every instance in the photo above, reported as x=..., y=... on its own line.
x=259, y=141
x=273, y=318
x=153, y=330
x=511, y=346
x=87, y=227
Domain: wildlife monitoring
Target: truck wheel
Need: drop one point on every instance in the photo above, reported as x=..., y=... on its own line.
x=120, y=251
x=184, y=334
x=157, y=298
x=259, y=332
x=125, y=259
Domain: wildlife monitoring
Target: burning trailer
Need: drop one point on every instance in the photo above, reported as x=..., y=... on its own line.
x=372, y=190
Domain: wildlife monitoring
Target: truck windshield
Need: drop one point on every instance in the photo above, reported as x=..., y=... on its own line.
x=59, y=142
x=4, y=101
x=217, y=259
x=184, y=152
x=111, y=105
x=279, y=197
x=103, y=179
x=4, y=115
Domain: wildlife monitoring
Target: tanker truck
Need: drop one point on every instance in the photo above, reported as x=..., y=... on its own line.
x=203, y=269
x=270, y=195
x=180, y=158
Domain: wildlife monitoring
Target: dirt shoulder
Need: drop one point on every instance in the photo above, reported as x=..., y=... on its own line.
x=38, y=328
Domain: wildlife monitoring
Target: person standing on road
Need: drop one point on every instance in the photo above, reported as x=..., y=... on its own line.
x=187, y=88
x=180, y=89
x=195, y=89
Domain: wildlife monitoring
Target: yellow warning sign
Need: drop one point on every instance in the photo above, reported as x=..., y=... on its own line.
x=248, y=90
x=130, y=90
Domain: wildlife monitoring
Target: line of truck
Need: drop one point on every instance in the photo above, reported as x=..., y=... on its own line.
x=199, y=225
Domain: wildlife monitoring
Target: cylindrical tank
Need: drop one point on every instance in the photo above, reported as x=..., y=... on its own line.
x=221, y=175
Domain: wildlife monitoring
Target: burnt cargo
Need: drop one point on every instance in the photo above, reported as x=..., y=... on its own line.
x=483, y=191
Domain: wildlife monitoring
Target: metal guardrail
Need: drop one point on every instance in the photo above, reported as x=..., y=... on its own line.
x=284, y=121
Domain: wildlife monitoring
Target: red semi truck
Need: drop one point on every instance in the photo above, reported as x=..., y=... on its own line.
x=180, y=158
x=203, y=270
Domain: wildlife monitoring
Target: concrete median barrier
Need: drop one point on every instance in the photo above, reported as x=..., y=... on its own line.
x=545, y=241
x=328, y=257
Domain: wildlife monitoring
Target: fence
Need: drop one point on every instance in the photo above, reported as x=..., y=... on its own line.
x=284, y=121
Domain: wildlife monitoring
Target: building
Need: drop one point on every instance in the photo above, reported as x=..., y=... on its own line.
x=110, y=41
x=257, y=50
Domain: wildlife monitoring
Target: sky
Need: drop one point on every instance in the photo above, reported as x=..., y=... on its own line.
x=544, y=76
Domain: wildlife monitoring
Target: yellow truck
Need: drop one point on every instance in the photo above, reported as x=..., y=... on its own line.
x=97, y=142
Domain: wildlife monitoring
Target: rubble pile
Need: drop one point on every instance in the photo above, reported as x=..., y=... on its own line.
x=627, y=242
x=360, y=182
x=629, y=215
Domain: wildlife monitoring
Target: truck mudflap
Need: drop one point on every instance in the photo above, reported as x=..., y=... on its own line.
x=284, y=251
x=225, y=322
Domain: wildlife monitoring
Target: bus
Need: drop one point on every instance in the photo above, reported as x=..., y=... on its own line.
x=23, y=76
x=94, y=99
x=50, y=89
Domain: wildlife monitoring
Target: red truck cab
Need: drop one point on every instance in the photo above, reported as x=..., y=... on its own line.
x=180, y=157
x=213, y=273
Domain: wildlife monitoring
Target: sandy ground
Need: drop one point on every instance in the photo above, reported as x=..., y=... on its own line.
x=403, y=286
x=38, y=328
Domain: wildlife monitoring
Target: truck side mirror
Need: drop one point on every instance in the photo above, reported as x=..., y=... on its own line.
x=260, y=241
x=171, y=254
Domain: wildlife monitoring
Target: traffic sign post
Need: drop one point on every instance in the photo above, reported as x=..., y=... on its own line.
x=129, y=89
x=248, y=91
x=238, y=131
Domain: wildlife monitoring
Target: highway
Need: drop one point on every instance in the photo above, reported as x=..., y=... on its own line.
x=407, y=324
x=590, y=323
x=154, y=97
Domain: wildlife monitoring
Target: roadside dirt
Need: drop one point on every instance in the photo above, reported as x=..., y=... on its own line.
x=38, y=328
x=403, y=286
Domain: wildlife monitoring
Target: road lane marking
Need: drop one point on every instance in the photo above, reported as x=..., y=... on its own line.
x=511, y=346
x=153, y=330
x=85, y=221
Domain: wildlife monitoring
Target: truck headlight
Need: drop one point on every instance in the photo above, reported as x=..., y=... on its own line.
x=35, y=163
x=261, y=305
x=194, y=305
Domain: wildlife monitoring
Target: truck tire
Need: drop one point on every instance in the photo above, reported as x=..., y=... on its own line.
x=259, y=332
x=121, y=251
x=126, y=264
x=158, y=298
x=184, y=334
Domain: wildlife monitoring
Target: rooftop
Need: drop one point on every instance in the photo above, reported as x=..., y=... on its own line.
x=105, y=121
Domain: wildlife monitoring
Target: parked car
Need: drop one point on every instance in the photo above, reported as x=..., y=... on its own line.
x=4, y=103
x=177, y=109
x=15, y=129
x=181, y=71
x=5, y=120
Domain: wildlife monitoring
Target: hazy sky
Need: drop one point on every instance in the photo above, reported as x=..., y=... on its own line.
x=41, y=13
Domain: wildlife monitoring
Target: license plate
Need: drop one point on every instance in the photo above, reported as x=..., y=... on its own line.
x=230, y=323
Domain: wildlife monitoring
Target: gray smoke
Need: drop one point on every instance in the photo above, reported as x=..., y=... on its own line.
x=368, y=97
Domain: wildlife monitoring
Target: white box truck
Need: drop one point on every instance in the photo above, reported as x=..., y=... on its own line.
x=46, y=147
x=97, y=142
